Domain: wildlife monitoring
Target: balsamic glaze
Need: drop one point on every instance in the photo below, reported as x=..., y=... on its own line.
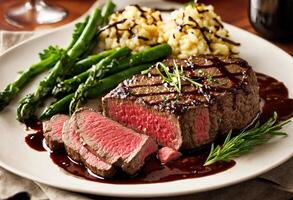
x=189, y=166
x=35, y=140
x=274, y=95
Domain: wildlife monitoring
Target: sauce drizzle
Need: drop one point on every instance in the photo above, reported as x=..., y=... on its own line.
x=35, y=140
x=274, y=95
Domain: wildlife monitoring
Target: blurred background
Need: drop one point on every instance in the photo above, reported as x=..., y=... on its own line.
x=272, y=19
x=31, y=15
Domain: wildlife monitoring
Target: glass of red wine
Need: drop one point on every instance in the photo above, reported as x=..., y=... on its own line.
x=272, y=18
x=34, y=12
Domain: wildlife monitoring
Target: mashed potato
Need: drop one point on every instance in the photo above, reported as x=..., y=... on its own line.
x=192, y=30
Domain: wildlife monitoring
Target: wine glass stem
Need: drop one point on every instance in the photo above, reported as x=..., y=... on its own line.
x=34, y=3
x=35, y=12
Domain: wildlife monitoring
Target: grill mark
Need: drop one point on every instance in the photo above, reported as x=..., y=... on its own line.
x=183, y=84
x=196, y=92
x=191, y=68
x=202, y=77
x=222, y=67
x=193, y=103
x=209, y=92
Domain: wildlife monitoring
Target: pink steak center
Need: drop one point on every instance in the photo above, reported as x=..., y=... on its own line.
x=145, y=121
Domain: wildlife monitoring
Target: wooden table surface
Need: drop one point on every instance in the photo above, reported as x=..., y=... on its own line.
x=236, y=12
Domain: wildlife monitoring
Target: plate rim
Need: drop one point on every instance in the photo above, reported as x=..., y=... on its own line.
x=161, y=194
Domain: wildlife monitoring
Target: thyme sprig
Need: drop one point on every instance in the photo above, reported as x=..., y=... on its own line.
x=244, y=142
x=173, y=77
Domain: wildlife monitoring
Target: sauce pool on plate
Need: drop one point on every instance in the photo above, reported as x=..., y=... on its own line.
x=274, y=97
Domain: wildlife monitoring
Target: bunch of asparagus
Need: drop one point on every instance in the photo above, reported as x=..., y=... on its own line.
x=103, y=76
x=75, y=75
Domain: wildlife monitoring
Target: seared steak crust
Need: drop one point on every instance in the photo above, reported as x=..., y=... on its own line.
x=228, y=99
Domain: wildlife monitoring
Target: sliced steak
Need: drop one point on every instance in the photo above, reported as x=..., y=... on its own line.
x=228, y=99
x=79, y=153
x=166, y=154
x=71, y=139
x=52, y=130
x=96, y=164
x=111, y=141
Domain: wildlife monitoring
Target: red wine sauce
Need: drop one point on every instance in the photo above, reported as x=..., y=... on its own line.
x=35, y=140
x=274, y=97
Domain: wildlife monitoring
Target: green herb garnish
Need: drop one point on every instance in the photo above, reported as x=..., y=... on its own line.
x=144, y=72
x=246, y=140
x=173, y=77
x=210, y=78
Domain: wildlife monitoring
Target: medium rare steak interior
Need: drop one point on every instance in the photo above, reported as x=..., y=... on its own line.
x=79, y=153
x=102, y=144
x=52, y=130
x=228, y=99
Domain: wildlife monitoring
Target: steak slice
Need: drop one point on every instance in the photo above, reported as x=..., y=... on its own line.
x=80, y=153
x=228, y=99
x=111, y=141
x=166, y=154
x=52, y=130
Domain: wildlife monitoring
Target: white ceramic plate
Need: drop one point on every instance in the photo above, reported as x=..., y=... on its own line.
x=18, y=158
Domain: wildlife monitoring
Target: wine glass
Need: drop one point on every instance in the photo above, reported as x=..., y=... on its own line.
x=34, y=12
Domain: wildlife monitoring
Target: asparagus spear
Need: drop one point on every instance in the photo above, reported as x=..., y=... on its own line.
x=106, y=84
x=107, y=10
x=79, y=27
x=147, y=55
x=78, y=68
x=88, y=52
x=28, y=104
x=48, y=59
x=96, y=73
x=102, y=86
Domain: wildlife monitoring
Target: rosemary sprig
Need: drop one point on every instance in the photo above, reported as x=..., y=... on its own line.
x=175, y=76
x=244, y=142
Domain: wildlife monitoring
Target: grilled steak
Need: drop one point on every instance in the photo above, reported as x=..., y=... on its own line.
x=52, y=130
x=80, y=153
x=166, y=154
x=228, y=99
x=112, y=142
x=71, y=139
